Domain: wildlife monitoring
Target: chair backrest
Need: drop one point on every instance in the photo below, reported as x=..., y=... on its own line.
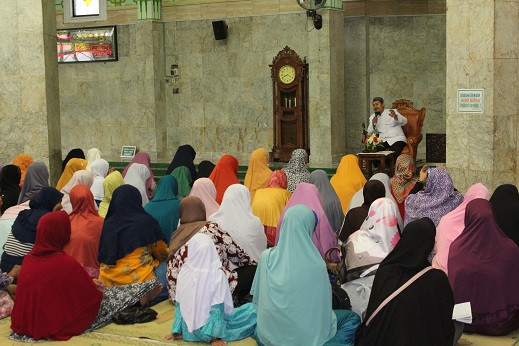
x=415, y=118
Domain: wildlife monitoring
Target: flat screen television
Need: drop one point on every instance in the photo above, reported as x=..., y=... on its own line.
x=91, y=44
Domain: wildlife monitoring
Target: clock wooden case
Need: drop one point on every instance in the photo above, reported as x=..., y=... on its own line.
x=290, y=100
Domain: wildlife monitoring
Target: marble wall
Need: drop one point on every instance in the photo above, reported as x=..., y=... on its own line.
x=394, y=57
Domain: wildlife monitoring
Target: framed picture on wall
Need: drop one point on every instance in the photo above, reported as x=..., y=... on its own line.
x=93, y=44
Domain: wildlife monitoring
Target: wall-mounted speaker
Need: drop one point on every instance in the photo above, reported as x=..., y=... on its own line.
x=220, y=30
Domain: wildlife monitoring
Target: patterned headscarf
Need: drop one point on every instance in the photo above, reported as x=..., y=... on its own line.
x=297, y=169
x=278, y=178
x=403, y=181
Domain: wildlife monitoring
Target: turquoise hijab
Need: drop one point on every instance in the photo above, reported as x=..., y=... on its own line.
x=291, y=289
x=184, y=180
x=164, y=205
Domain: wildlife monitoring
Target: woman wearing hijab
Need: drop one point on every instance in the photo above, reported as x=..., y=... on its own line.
x=236, y=218
x=484, y=270
x=258, y=172
x=73, y=154
x=224, y=175
x=86, y=226
x=422, y=313
x=404, y=183
x=505, y=203
x=297, y=169
x=358, y=198
x=452, y=224
x=204, y=308
x=269, y=202
x=56, y=299
x=72, y=167
x=193, y=221
x=373, y=190
x=137, y=176
x=347, y=180
x=132, y=244
x=36, y=178
x=184, y=156
x=23, y=232
x=292, y=291
x=164, y=205
x=204, y=189
x=183, y=178
x=82, y=177
x=99, y=170
x=92, y=155
x=438, y=199
x=331, y=203
x=205, y=168
x=144, y=159
x=111, y=182
x=23, y=161
x=9, y=186
x=323, y=237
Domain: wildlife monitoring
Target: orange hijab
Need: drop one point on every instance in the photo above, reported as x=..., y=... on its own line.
x=72, y=167
x=86, y=226
x=23, y=161
x=347, y=180
x=258, y=172
x=224, y=175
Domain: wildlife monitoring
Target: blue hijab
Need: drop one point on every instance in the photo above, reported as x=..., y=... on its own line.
x=291, y=287
x=24, y=227
x=164, y=206
x=127, y=226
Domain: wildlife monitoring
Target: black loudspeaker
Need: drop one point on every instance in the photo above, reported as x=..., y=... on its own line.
x=220, y=30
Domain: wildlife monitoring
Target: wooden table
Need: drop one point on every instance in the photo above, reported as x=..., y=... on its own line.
x=381, y=157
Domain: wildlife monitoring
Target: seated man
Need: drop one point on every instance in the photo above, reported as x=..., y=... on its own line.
x=388, y=124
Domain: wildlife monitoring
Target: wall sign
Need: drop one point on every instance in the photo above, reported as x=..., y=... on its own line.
x=87, y=44
x=128, y=152
x=470, y=100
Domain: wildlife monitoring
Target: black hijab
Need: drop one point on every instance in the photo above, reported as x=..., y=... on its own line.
x=205, y=168
x=422, y=313
x=74, y=153
x=184, y=157
x=505, y=204
x=127, y=226
x=373, y=190
x=10, y=186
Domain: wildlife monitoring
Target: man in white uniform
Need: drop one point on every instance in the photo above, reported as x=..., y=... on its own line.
x=388, y=124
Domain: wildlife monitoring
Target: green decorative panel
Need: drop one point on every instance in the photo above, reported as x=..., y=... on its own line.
x=149, y=9
x=335, y=4
x=112, y=3
x=59, y=5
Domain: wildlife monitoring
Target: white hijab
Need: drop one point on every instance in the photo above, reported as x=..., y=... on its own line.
x=202, y=283
x=137, y=175
x=92, y=155
x=99, y=170
x=82, y=177
x=236, y=218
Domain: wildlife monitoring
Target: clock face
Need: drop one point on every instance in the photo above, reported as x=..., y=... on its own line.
x=287, y=74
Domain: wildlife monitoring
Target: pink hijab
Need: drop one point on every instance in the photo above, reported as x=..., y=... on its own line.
x=323, y=236
x=144, y=158
x=452, y=224
x=204, y=189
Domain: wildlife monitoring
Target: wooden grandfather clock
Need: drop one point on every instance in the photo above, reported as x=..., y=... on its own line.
x=290, y=99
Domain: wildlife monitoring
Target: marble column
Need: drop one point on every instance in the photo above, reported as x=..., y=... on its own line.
x=483, y=53
x=326, y=105
x=29, y=93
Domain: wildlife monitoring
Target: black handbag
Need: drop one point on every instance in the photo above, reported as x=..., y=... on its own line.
x=340, y=298
x=136, y=314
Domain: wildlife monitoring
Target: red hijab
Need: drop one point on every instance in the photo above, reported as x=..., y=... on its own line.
x=86, y=226
x=224, y=175
x=55, y=298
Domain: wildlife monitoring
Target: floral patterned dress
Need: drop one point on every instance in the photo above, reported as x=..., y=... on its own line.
x=230, y=254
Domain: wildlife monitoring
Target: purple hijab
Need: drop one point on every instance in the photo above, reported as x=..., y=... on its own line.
x=144, y=158
x=438, y=199
x=484, y=266
x=323, y=236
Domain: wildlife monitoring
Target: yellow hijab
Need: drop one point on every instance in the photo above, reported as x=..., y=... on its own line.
x=23, y=161
x=258, y=172
x=111, y=182
x=347, y=180
x=72, y=167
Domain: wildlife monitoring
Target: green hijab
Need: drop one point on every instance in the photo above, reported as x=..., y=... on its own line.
x=291, y=287
x=164, y=207
x=184, y=180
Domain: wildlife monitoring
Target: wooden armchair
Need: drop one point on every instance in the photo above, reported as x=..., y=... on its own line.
x=413, y=128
